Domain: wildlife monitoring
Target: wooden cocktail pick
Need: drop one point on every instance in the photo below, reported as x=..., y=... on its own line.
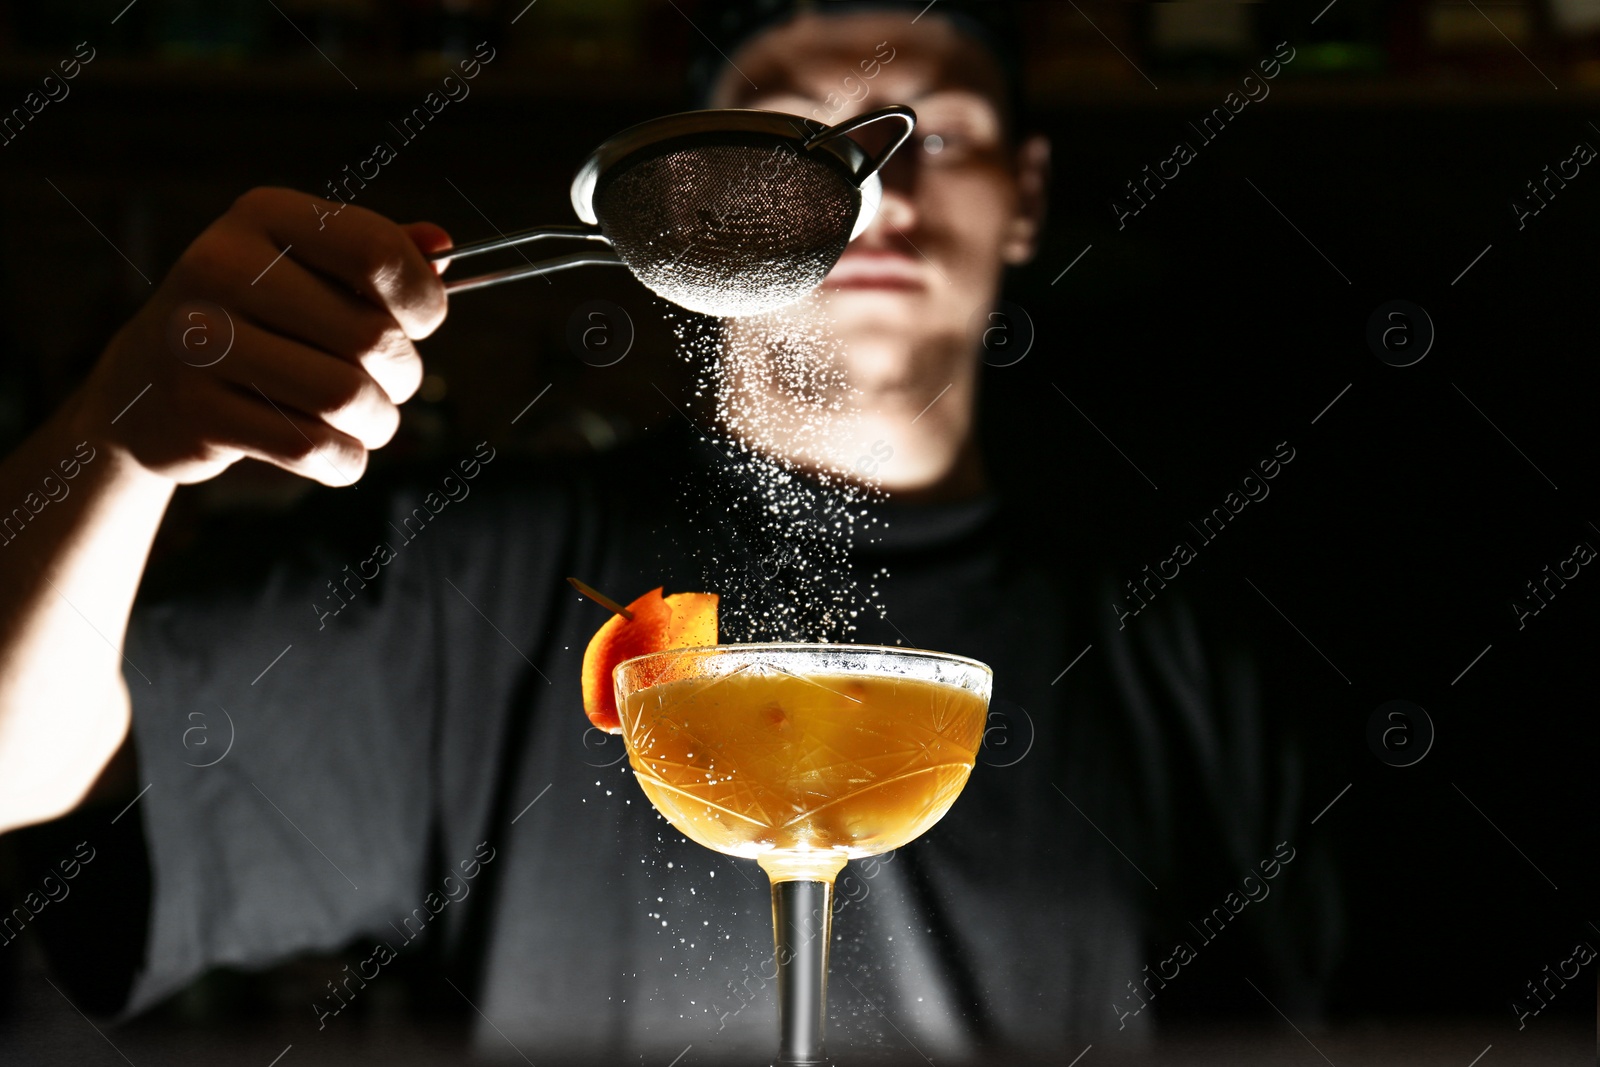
x=600, y=598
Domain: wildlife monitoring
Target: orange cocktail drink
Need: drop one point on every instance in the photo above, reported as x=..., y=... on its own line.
x=801, y=757
x=764, y=761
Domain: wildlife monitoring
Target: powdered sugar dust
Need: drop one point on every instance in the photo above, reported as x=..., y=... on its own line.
x=774, y=398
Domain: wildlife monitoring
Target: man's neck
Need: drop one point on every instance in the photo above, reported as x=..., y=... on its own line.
x=874, y=413
x=965, y=479
x=915, y=456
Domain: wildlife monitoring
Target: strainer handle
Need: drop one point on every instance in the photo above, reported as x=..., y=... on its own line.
x=597, y=257
x=897, y=111
x=507, y=240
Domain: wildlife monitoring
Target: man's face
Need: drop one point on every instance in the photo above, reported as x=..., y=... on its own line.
x=958, y=205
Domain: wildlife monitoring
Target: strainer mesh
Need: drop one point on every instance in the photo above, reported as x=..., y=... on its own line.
x=729, y=230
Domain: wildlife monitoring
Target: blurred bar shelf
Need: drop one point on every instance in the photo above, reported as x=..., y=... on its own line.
x=661, y=88
x=319, y=80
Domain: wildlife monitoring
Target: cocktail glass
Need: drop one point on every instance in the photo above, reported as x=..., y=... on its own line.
x=802, y=757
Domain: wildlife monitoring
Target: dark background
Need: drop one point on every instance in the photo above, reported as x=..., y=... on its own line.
x=1196, y=338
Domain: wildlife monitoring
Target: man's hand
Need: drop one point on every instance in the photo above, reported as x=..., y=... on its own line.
x=282, y=333
x=274, y=336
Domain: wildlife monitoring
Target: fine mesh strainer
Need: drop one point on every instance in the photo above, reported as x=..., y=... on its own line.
x=727, y=212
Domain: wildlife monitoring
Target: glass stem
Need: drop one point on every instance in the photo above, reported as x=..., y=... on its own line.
x=802, y=922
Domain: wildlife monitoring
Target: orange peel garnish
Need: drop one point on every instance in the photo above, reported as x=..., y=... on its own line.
x=652, y=623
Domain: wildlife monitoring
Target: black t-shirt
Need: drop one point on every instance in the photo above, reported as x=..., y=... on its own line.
x=392, y=758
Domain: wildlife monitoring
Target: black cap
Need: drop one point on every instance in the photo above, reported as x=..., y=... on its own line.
x=728, y=24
